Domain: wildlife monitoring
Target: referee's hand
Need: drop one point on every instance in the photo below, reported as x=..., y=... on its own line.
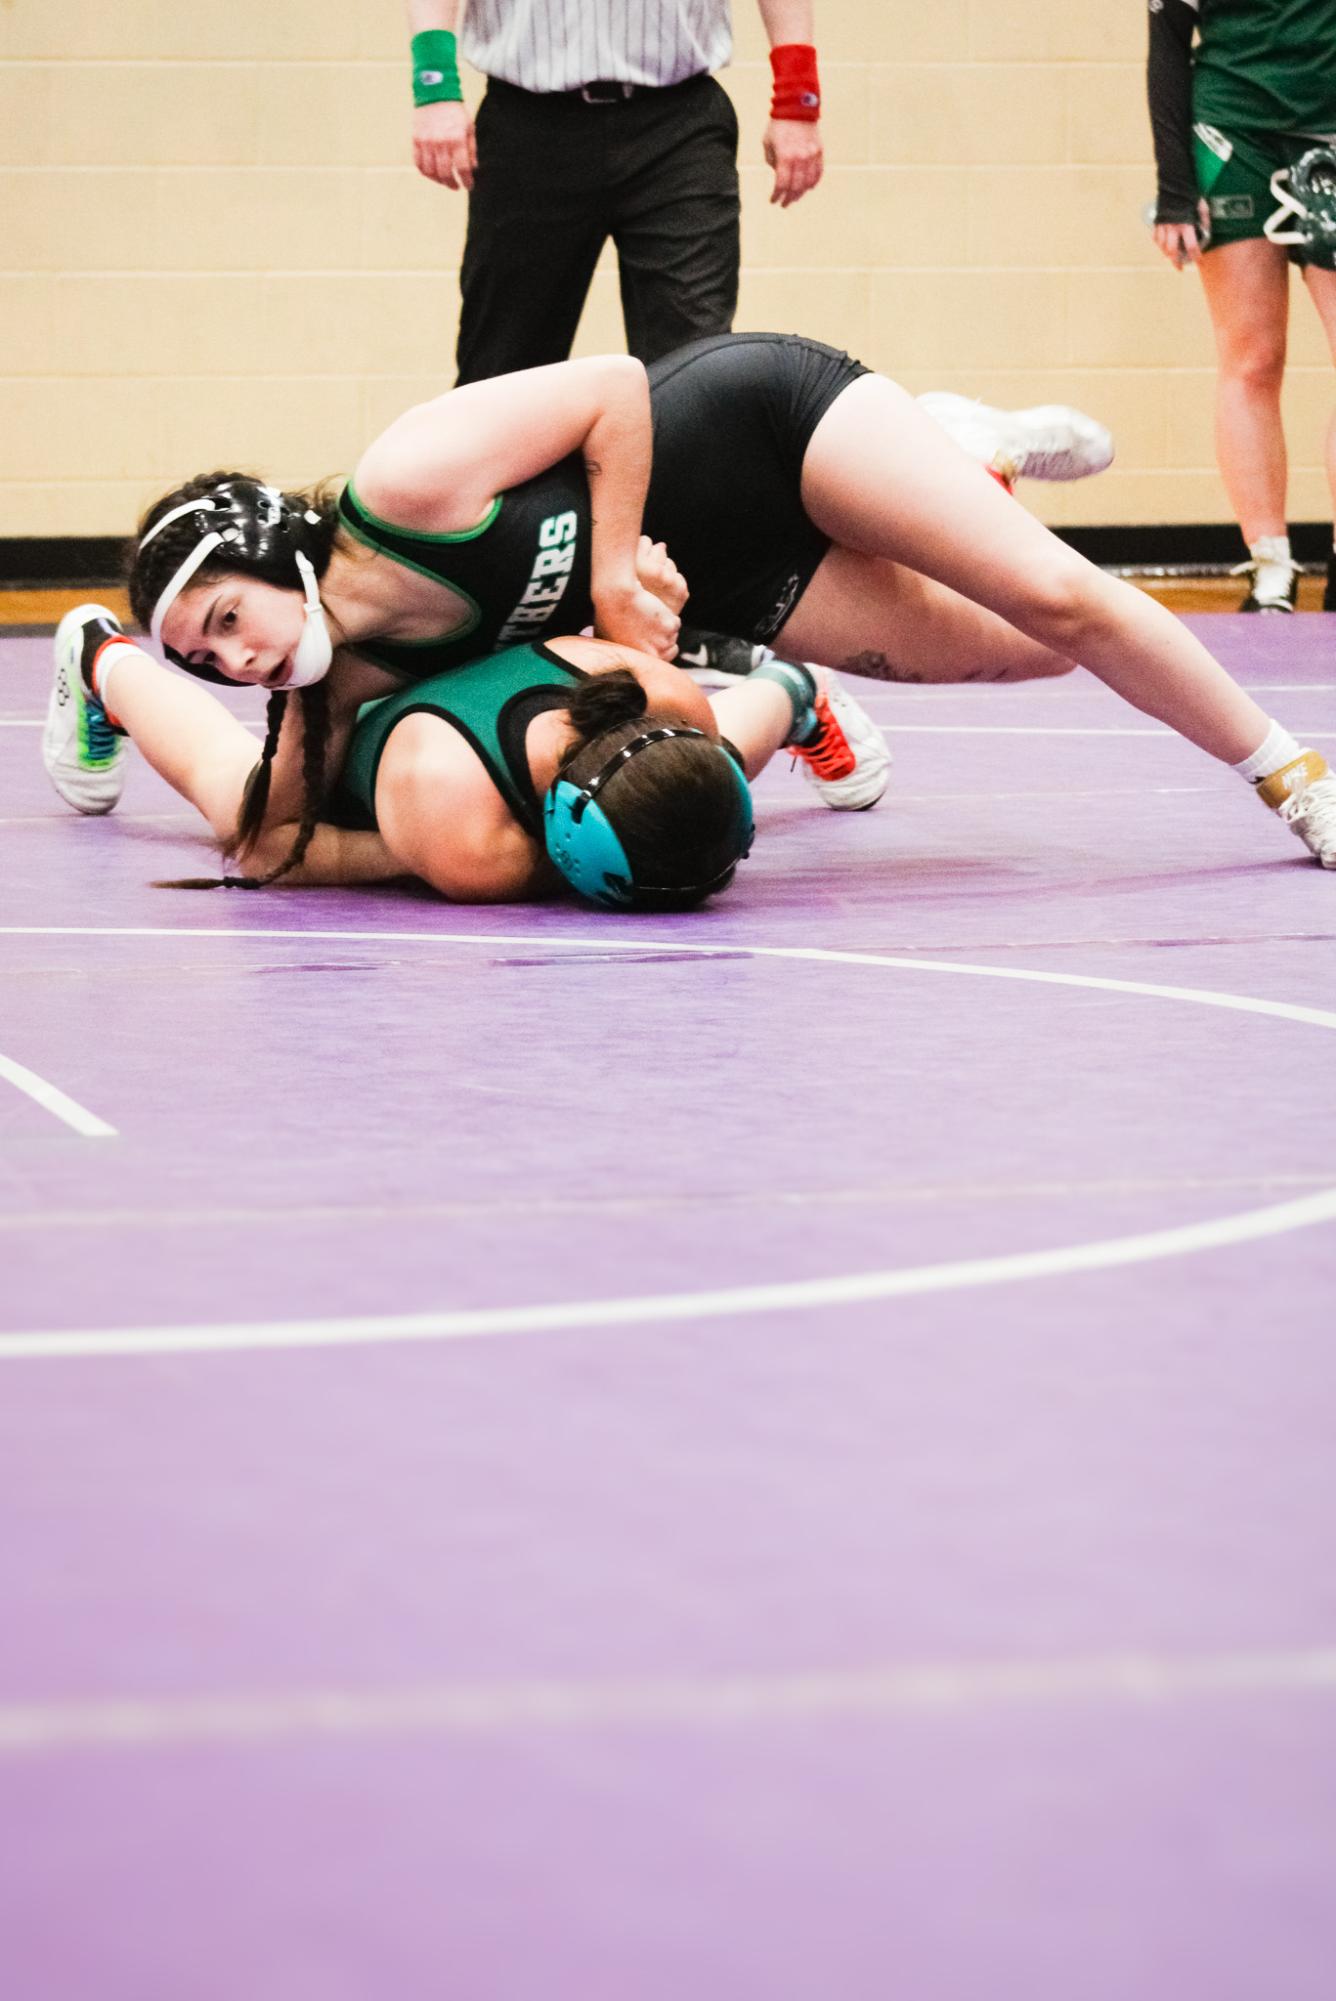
x=444, y=148
x=792, y=147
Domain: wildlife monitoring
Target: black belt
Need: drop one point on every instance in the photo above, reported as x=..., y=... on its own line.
x=601, y=91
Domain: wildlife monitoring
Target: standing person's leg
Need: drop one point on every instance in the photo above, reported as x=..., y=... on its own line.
x=1322, y=291
x=1247, y=292
x=676, y=215
x=536, y=224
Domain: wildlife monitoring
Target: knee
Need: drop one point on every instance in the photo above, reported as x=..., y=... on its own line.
x=1256, y=363
x=1061, y=608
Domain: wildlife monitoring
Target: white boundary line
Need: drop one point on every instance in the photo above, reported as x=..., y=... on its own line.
x=54, y=1101
x=232, y=1337
x=465, y=1709
x=855, y=1289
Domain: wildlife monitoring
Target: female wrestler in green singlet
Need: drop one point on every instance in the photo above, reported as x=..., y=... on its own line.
x=495, y=779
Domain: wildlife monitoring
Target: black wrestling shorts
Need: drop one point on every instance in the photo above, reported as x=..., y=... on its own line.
x=733, y=416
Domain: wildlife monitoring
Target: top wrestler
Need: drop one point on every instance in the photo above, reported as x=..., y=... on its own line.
x=808, y=502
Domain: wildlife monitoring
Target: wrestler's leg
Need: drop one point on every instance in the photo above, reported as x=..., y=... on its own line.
x=882, y=481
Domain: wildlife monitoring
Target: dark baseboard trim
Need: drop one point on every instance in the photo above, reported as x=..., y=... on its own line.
x=80, y=562
x=1201, y=548
x=34, y=562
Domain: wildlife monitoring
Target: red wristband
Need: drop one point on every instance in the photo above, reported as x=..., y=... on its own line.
x=797, y=93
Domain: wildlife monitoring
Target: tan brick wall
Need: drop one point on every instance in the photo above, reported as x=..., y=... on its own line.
x=213, y=247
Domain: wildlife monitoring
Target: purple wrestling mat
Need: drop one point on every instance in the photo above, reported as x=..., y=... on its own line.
x=774, y=1454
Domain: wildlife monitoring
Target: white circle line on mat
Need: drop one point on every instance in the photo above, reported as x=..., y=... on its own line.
x=144, y=1723
x=366, y=1330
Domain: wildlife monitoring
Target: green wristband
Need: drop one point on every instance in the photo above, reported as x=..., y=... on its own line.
x=435, y=70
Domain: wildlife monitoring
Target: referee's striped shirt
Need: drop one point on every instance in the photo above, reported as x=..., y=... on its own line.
x=550, y=45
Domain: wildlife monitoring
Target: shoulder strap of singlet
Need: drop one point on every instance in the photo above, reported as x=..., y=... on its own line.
x=413, y=547
x=429, y=555
x=491, y=703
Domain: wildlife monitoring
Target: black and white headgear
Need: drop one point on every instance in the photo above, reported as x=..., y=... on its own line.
x=242, y=517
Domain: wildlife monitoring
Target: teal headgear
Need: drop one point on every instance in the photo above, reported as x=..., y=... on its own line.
x=583, y=842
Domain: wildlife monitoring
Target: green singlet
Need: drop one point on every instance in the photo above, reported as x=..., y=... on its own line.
x=491, y=702
x=1266, y=66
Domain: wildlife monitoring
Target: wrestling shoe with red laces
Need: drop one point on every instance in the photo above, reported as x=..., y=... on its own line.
x=845, y=758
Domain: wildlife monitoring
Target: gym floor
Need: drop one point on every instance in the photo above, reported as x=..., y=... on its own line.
x=774, y=1453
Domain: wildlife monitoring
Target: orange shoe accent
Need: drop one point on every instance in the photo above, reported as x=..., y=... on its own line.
x=827, y=753
x=1292, y=778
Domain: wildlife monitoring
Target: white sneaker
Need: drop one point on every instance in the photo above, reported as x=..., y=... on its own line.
x=84, y=756
x=1311, y=813
x=1049, y=442
x=847, y=759
x=1273, y=585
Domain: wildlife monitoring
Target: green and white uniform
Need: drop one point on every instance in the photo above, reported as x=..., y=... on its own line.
x=491, y=703
x=1256, y=91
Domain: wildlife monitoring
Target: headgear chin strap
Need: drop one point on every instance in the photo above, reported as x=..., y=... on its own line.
x=1307, y=212
x=584, y=844
x=315, y=649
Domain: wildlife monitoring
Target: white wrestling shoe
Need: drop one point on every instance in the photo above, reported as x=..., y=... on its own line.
x=1273, y=583
x=846, y=759
x=1049, y=442
x=84, y=756
x=1310, y=812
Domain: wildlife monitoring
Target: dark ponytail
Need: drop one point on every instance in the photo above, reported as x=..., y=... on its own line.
x=604, y=701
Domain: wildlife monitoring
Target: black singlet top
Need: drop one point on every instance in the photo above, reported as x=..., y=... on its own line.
x=523, y=571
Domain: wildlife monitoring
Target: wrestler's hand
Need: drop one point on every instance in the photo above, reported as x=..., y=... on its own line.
x=659, y=573
x=635, y=617
x=792, y=146
x=444, y=148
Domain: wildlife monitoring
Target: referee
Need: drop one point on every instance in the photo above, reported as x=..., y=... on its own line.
x=601, y=119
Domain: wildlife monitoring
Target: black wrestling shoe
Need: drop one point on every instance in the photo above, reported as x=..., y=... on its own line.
x=710, y=655
x=1329, y=594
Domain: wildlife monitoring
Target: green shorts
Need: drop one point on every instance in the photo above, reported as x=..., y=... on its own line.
x=1234, y=172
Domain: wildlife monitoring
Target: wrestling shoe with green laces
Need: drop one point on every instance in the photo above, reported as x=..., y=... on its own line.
x=845, y=758
x=84, y=755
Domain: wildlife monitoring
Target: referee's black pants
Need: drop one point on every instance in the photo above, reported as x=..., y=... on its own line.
x=557, y=176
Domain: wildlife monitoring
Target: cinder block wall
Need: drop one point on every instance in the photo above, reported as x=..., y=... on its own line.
x=214, y=249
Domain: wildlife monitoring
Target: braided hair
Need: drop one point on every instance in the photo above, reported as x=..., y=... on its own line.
x=262, y=531
x=674, y=806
